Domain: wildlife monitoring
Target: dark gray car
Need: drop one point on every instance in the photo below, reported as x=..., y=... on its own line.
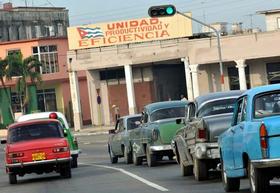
x=195, y=145
x=119, y=144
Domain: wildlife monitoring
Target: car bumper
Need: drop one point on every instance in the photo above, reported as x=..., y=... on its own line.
x=156, y=148
x=75, y=152
x=25, y=164
x=207, y=151
x=266, y=163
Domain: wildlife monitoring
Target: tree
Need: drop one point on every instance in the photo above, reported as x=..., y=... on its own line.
x=27, y=73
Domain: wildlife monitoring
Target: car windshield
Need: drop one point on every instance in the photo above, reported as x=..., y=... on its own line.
x=36, y=131
x=217, y=107
x=267, y=105
x=168, y=113
x=131, y=122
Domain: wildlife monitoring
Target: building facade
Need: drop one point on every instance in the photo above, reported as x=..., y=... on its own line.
x=134, y=74
x=41, y=32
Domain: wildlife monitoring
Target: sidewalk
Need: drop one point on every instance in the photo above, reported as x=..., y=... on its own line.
x=92, y=130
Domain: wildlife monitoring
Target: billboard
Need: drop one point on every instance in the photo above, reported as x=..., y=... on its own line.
x=129, y=31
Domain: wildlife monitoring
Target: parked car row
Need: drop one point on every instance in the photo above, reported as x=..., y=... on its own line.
x=234, y=132
x=40, y=143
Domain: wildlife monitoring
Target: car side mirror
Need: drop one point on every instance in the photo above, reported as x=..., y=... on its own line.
x=3, y=141
x=178, y=121
x=112, y=131
x=65, y=133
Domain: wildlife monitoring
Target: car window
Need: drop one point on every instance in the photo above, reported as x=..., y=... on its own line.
x=131, y=122
x=145, y=117
x=239, y=112
x=217, y=107
x=244, y=109
x=191, y=110
x=267, y=105
x=36, y=131
x=168, y=113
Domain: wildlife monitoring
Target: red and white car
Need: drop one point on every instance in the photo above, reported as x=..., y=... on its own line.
x=36, y=146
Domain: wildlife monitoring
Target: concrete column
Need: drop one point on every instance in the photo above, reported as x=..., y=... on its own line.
x=240, y=64
x=130, y=89
x=194, y=72
x=75, y=96
x=188, y=78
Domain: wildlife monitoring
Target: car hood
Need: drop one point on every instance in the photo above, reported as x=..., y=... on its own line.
x=37, y=144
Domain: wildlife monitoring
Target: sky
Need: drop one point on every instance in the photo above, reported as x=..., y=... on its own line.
x=83, y=12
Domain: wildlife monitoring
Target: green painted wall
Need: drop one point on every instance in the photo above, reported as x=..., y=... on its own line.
x=33, y=103
x=5, y=102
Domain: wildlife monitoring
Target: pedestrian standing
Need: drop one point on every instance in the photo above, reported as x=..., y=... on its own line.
x=116, y=112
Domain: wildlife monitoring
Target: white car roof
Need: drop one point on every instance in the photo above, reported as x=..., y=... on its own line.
x=43, y=115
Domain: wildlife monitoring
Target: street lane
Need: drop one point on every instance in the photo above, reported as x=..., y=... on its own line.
x=89, y=178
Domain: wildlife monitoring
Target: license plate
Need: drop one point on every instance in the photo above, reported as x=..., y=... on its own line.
x=38, y=156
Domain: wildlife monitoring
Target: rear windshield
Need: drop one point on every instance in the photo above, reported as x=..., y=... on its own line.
x=36, y=131
x=267, y=105
x=168, y=113
x=131, y=122
x=217, y=107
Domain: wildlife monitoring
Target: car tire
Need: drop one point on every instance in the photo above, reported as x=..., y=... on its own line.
x=74, y=162
x=171, y=157
x=230, y=184
x=137, y=160
x=65, y=171
x=259, y=180
x=12, y=178
x=113, y=158
x=127, y=156
x=151, y=158
x=186, y=170
x=200, y=170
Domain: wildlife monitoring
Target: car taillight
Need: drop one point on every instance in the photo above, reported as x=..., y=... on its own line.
x=60, y=149
x=53, y=116
x=201, y=133
x=15, y=155
x=155, y=134
x=263, y=136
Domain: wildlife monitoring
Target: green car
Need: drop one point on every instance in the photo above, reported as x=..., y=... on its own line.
x=73, y=143
x=152, y=139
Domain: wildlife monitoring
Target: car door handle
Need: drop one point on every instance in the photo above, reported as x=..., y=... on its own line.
x=241, y=127
x=232, y=130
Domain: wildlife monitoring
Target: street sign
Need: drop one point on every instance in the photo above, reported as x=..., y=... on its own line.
x=162, y=11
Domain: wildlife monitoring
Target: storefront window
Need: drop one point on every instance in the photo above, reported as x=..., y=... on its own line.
x=273, y=72
x=234, y=78
x=49, y=58
x=46, y=100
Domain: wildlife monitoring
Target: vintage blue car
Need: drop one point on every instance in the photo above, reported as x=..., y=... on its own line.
x=251, y=145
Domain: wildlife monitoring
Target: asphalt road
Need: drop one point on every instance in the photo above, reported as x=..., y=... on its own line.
x=96, y=175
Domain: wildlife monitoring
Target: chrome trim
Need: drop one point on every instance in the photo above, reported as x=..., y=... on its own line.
x=75, y=152
x=60, y=160
x=160, y=147
x=266, y=163
x=207, y=151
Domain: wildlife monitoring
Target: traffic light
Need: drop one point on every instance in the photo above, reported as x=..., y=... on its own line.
x=162, y=11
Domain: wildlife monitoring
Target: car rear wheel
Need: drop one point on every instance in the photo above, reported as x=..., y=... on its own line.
x=186, y=170
x=200, y=169
x=259, y=180
x=65, y=171
x=151, y=158
x=136, y=160
x=127, y=156
x=230, y=184
x=12, y=178
x=74, y=162
x=113, y=158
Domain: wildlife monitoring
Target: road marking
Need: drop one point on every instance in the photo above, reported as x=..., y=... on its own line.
x=151, y=184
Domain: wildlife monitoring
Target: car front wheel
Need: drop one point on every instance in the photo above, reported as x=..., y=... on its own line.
x=12, y=178
x=259, y=180
x=74, y=162
x=136, y=160
x=230, y=184
x=151, y=158
x=113, y=158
